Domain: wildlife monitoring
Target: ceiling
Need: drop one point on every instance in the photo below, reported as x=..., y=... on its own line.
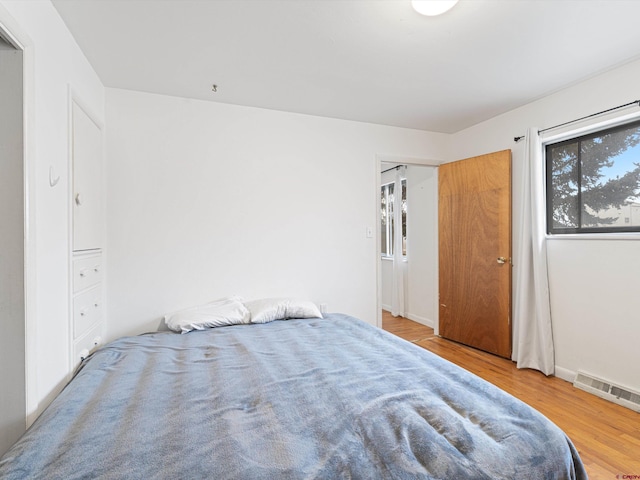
x=374, y=61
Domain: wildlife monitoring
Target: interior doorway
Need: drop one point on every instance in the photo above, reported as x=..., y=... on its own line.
x=12, y=245
x=420, y=262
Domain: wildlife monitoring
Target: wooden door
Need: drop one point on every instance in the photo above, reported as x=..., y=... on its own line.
x=474, y=218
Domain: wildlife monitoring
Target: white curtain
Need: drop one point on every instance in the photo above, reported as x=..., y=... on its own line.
x=532, y=332
x=399, y=264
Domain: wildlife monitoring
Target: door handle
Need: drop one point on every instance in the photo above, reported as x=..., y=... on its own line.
x=502, y=260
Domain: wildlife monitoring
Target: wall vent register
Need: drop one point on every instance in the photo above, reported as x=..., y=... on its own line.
x=608, y=390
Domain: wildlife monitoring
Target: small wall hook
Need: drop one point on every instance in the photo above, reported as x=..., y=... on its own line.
x=53, y=180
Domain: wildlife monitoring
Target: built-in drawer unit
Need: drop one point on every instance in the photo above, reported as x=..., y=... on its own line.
x=87, y=344
x=87, y=310
x=87, y=316
x=87, y=271
x=86, y=194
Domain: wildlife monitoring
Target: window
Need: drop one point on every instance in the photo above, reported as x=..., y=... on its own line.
x=593, y=182
x=386, y=218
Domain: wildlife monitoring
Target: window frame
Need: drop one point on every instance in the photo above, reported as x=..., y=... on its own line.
x=578, y=231
x=390, y=225
x=388, y=237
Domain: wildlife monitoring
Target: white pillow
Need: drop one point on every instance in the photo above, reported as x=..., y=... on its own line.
x=302, y=309
x=269, y=309
x=226, y=311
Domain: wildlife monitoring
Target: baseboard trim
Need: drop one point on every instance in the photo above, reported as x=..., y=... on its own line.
x=565, y=374
x=427, y=322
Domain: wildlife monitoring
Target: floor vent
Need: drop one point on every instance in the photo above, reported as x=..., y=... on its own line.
x=607, y=390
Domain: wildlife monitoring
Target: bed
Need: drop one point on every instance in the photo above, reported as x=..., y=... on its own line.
x=329, y=398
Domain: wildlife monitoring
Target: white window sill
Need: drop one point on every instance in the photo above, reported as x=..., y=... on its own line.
x=595, y=236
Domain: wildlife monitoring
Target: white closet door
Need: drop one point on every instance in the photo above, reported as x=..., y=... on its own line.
x=87, y=182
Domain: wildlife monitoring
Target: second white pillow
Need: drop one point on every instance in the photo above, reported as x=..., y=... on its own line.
x=226, y=311
x=269, y=309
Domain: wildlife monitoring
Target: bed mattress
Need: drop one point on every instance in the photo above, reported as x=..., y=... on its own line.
x=324, y=398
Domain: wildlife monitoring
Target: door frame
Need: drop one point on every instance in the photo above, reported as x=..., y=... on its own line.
x=17, y=37
x=421, y=162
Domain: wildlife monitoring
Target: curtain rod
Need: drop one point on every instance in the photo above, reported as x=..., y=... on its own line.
x=392, y=168
x=635, y=102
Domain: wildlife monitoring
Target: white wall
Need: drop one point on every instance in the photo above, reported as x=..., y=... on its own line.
x=54, y=63
x=594, y=307
x=206, y=200
x=422, y=220
x=422, y=260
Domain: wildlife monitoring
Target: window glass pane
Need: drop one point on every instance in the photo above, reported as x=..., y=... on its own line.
x=563, y=161
x=383, y=219
x=404, y=217
x=610, y=166
x=390, y=214
x=387, y=221
x=593, y=182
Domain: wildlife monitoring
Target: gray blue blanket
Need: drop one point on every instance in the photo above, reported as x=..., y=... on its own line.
x=329, y=398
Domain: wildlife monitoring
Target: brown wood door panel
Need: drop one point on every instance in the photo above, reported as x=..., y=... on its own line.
x=474, y=231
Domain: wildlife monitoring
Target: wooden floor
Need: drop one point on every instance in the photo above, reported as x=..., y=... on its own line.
x=606, y=435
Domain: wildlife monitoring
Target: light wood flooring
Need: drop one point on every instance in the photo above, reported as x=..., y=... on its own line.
x=606, y=435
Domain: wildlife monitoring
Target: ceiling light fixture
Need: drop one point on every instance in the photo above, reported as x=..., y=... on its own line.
x=432, y=7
